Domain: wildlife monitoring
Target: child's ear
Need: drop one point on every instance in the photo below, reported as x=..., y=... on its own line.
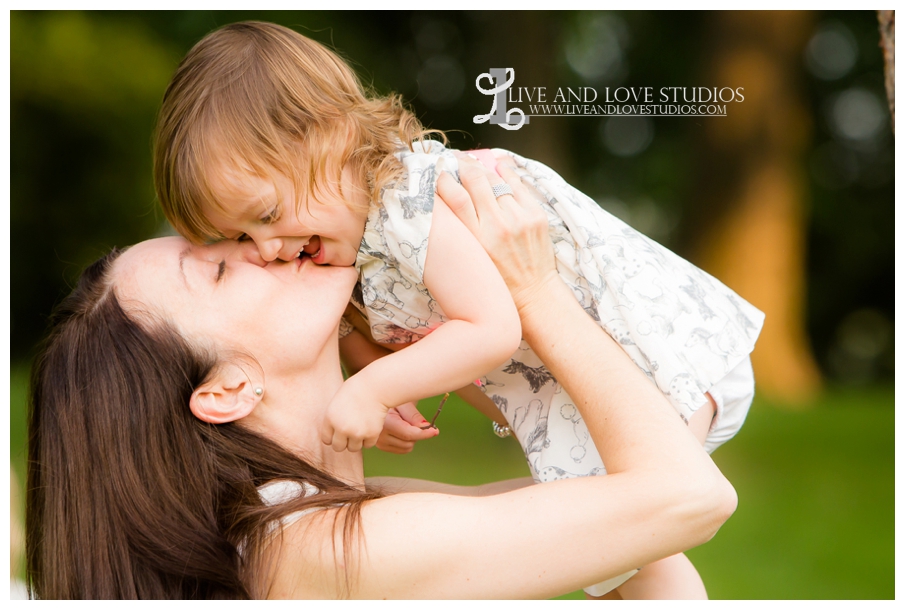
x=226, y=396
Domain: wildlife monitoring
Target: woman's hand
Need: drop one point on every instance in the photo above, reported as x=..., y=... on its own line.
x=512, y=228
x=403, y=427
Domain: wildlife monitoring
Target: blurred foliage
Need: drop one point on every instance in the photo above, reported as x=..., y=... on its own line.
x=85, y=88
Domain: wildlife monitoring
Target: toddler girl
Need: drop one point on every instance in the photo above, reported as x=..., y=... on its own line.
x=264, y=134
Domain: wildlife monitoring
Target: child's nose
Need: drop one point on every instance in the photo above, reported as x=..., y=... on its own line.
x=270, y=248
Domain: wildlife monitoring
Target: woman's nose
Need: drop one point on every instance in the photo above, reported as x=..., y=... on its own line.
x=249, y=252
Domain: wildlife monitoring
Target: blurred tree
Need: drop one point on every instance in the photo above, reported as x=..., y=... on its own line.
x=888, y=44
x=752, y=192
x=85, y=88
x=525, y=45
x=84, y=91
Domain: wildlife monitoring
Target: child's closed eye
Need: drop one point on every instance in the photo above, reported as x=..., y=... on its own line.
x=271, y=217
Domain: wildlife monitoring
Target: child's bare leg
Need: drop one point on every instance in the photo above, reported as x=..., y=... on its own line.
x=671, y=578
x=699, y=424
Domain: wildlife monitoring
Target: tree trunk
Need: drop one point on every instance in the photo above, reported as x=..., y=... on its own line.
x=888, y=44
x=753, y=188
x=528, y=46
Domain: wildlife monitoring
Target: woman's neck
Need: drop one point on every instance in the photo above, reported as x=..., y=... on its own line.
x=292, y=413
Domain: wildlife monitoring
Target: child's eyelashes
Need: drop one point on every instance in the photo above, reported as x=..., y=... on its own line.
x=271, y=217
x=221, y=269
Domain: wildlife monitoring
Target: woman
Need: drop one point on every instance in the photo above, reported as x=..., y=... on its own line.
x=131, y=494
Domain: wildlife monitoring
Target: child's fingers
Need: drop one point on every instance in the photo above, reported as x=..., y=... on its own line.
x=355, y=444
x=327, y=432
x=338, y=442
x=367, y=443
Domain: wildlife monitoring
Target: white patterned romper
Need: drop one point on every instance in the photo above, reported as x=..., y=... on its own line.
x=687, y=331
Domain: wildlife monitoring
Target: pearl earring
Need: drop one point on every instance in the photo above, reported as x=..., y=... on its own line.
x=259, y=391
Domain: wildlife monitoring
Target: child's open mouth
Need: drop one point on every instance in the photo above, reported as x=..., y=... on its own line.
x=312, y=249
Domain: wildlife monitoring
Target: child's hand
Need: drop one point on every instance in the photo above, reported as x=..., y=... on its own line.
x=354, y=418
x=403, y=427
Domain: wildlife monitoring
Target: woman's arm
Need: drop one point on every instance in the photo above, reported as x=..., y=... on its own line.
x=397, y=485
x=663, y=495
x=482, y=331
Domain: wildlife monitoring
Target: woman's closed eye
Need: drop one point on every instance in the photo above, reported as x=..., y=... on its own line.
x=221, y=269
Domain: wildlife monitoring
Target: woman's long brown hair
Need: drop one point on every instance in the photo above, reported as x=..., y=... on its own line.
x=129, y=495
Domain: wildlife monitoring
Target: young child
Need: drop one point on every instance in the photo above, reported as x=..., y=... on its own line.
x=266, y=135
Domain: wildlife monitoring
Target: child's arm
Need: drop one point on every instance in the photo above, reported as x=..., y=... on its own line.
x=357, y=351
x=482, y=332
x=404, y=424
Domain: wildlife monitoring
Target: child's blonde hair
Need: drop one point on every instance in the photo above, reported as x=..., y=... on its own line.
x=260, y=98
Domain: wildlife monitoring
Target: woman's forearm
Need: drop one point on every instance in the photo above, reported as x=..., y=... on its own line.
x=606, y=385
x=632, y=424
x=396, y=485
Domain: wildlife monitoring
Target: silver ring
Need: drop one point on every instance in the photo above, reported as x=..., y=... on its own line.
x=502, y=189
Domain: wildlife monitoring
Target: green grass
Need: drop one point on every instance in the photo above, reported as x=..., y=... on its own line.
x=816, y=494
x=18, y=388
x=816, y=515
x=816, y=491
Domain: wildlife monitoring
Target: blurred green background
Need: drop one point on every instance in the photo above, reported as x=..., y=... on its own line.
x=788, y=199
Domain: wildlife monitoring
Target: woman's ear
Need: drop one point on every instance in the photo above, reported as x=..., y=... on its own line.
x=228, y=395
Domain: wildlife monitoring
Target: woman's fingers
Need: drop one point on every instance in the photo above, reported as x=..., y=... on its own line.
x=410, y=414
x=522, y=194
x=477, y=179
x=458, y=200
x=404, y=426
x=512, y=228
